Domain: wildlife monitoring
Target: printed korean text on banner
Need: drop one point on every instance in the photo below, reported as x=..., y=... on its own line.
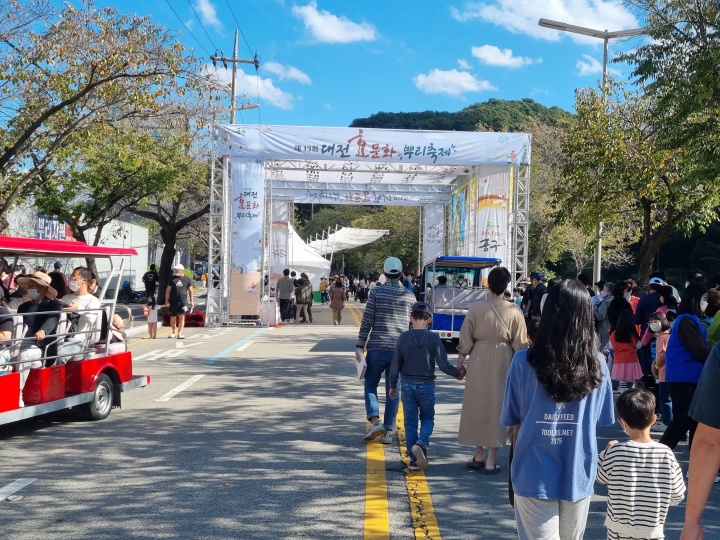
x=492, y=217
x=433, y=233
x=248, y=192
x=363, y=144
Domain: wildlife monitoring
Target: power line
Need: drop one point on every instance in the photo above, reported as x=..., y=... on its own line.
x=186, y=28
x=238, y=26
x=201, y=24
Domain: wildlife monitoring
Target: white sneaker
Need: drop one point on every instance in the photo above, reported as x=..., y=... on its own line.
x=171, y=336
x=375, y=431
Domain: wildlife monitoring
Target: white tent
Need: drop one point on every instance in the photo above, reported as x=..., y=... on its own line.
x=347, y=238
x=303, y=258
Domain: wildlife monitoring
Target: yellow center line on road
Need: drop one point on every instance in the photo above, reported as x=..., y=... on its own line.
x=422, y=511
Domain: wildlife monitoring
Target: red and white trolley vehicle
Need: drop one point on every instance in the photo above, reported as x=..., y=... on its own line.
x=95, y=379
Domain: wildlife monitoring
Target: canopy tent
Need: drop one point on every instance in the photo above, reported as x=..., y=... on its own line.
x=304, y=258
x=473, y=188
x=347, y=238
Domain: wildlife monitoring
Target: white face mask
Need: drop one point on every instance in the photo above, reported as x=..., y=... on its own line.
x=73, y=286
x=703, y=305
x=628, y=295
x=33, y=294
x=655, y=326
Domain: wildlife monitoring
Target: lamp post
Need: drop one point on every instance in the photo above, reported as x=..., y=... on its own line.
x=606, y=36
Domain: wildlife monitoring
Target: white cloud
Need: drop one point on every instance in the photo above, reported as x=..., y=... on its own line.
x=329, y=28
x=249, y=85
x=494, y=56
x=287, y=72
x=208, y=13
x=452, y=82
x=589, y=66
x=521, y=16
x=463, y=64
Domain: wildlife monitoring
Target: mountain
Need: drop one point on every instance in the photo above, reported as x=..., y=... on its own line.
x=492, y=115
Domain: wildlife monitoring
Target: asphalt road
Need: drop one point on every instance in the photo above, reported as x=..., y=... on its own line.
x=263, y=442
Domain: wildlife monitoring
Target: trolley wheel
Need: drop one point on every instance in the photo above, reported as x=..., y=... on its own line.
x=101, y=405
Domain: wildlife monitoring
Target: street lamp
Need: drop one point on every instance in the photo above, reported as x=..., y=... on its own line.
x=606, y=37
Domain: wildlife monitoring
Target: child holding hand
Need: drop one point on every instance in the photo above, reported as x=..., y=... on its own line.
x=643, y=476
x=416, y=353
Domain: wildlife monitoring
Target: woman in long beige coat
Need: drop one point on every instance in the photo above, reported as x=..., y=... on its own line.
x=492, y=332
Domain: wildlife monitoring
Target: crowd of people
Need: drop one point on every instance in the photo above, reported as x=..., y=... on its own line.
x=49, y=319
x=543, y=372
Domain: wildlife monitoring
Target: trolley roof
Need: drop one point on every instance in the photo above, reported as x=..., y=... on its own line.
x=10, y=245
x=465, y=262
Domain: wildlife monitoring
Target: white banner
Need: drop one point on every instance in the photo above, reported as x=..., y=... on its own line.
x=374, y=145
x=247, y=216
x=280, y=240
x=363, y=197
x=433, y=233
x=492, y=217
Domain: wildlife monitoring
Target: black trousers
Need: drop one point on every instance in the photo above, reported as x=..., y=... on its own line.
x=681, y=395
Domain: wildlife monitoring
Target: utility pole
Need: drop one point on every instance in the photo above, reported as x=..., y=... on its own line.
x=235, y=61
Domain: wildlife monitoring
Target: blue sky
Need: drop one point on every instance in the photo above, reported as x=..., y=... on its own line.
x=328, y=62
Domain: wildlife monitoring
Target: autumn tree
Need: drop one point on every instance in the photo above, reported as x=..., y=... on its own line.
x=62, y=74
x=618, y=169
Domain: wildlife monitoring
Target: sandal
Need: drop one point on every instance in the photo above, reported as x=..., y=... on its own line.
x=492, y=471
x=475, y=464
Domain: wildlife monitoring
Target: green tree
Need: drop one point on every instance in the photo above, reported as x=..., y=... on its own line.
x=619, y=169
x=79, y=68
x=113, y=171
x=678, y=68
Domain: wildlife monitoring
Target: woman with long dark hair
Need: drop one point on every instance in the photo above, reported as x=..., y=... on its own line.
x=685, y=358
x=558, y=391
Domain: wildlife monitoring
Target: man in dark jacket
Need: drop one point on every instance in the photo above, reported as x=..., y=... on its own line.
x=539, y=290
x=151, y=280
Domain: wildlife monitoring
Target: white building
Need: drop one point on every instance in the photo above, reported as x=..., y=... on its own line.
x=25, y=222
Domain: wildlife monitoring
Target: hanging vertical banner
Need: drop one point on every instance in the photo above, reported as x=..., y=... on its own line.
x=433, y=233
x=247, y=216
x=492, y=217
x=280, y=240
x=248, y=194
x=458, y=219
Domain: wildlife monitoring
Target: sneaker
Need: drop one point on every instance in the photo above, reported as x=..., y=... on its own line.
x=420, y=453
x=413, y=466
x=375, y=431
x=171, y=336
x=387, y=438
x=717, y=479
x=180, y=336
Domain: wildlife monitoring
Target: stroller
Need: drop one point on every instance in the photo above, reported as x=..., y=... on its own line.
x=128, y=296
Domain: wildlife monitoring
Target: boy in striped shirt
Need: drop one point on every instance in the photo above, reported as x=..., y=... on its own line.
x=643, y=476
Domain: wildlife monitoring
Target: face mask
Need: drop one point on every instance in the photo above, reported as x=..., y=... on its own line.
x=703, y=305
x=33, y=294
x=73, y=286
x=628, y=295
x=603, y=293
x=655, y=326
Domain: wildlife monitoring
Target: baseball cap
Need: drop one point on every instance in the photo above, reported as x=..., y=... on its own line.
x=178, y=267
x=538, y=275
x=393, y=266
x=57, y=265
x=656, y=281
x=421, y=308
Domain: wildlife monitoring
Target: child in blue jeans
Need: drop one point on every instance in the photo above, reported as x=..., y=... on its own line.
x=416, y=353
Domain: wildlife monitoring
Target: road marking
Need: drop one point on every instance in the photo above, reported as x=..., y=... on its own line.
x=244, y=346
x=149, y=355
x=422, y=511
x=14, y=487
x=158, y=354
x=185, y=345
x=354, y=314
x=232, y=348
x=376, y=524
x=175, y=391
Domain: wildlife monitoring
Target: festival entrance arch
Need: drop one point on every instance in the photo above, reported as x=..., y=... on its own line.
x=473, y=188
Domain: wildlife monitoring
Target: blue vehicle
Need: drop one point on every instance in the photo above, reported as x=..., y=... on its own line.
x=452, y=285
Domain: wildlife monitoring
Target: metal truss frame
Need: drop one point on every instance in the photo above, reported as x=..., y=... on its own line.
x=521, y=222
x=216, y=303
